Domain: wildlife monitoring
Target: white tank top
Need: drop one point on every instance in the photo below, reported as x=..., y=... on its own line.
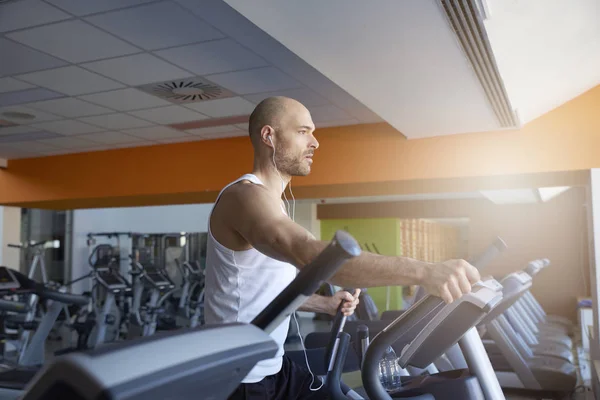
x=240, y=284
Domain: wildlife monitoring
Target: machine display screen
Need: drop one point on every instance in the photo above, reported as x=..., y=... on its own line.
x=156, y=278
x=111, y=281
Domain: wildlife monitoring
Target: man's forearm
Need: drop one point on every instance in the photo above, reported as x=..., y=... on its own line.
x=368, y=269
x=317, y=303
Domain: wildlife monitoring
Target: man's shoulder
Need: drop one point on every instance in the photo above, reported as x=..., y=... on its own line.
x=243, y=190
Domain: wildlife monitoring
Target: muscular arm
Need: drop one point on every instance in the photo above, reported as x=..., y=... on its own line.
x=319, y=304
x=255, y=215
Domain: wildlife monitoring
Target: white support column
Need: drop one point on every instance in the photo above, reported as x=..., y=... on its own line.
x=593, y=211
x=10, y=232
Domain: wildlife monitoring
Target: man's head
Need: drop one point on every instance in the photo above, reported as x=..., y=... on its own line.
x=284, y=125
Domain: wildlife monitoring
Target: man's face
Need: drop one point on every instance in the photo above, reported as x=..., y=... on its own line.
x=295, y=143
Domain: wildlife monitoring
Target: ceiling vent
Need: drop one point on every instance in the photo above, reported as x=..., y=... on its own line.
x=466, y=18
x=183, y=91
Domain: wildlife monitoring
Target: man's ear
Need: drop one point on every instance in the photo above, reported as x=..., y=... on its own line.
x=266, y=135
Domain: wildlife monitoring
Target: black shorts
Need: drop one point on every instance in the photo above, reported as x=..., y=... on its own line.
x=292, y=382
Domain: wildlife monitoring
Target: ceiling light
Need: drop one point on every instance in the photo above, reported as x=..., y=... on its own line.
x=512, y=196
x=548, y=193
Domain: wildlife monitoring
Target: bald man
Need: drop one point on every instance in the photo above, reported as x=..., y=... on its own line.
x=255, y=249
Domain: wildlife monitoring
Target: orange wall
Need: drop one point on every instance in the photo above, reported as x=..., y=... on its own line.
x=565, y=139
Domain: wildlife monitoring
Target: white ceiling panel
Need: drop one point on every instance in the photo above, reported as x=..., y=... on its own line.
x=10, y=85
x=67, y=127
x=25, y=13
x=169, y=115
x=86, y=7
x=116, y=121
x=138, y=69
x=157, y=26
x=344, y=122
x=244, y=127
x=215, y=129
x=137, y=144
x=74, y=41
x=156, y=132
x=328, y=113
x=23, y=59
x=303, y=95
x=231, y=106
x=37, y=147
x=14, y=130
x=223, y=135
x=71, y=80
x=14, y=154
x=40, y=116
x=68, y=142
x=110, y=138
x=125, y=99
x=70, y=107
x=213, y=57
x=189, y=138
x=257, y=80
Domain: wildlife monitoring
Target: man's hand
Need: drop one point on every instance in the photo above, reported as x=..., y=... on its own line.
x=450, y=279
x=349, y=302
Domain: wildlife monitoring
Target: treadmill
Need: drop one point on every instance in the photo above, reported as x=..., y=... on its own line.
x=541, y=345
x=521, y=369
x=223, y=356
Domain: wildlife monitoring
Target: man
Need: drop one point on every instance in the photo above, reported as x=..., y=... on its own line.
x=255, y=249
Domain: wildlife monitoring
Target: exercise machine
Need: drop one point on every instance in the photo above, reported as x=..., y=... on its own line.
x=223, y=354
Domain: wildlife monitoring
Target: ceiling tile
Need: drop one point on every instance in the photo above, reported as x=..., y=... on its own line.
x=328, y=113
x=169, y=115
x=11, y=85
x=74, y=41
x=223, y=107
x=138, y=69
x=12, y=130
x=22, y=137
x=67, y=127
x=244, y=127
x=344, y=122
x=189, y=138
x=21, y=59
x=68, y=142
x=136, y=144
x=40, y=116
x=27, y=96
x=213, y=57
x=38, y=147
x=156, y=132
x=125, y=99
x=80, y=8
x=116, y=121
x=26, y=13
x=72, y=80
x=70, y=107
x=157, y=26
x=215, y=129
x=110, y=138
x=257, y=80
x=303, y=95
x=12, y=154
x=223, y=135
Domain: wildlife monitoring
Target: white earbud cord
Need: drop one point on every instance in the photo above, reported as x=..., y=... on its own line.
x=293, y=216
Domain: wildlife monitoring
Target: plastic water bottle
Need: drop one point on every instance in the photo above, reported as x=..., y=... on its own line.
x=389, y=370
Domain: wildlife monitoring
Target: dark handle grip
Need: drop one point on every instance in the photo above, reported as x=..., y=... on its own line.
x=334, y=375
x=15, y=246
x=66, y=298
x=338, y=326
x=13, y=306
x=342, y=247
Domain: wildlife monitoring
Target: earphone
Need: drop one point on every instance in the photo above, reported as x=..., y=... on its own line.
x=294, y=315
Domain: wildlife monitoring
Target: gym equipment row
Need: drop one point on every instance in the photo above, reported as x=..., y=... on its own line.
x=446, y=351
